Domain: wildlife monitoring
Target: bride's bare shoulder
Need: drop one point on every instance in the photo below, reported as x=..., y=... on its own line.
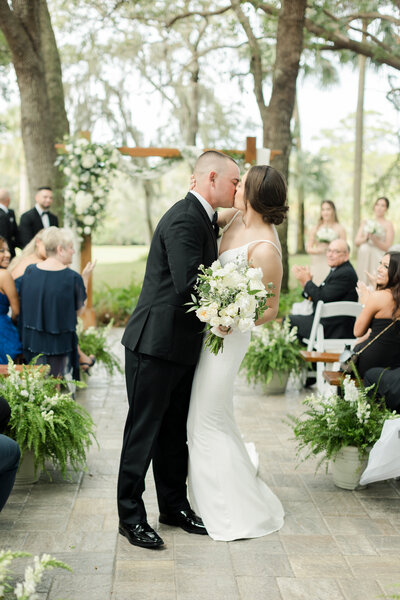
x=226, y=215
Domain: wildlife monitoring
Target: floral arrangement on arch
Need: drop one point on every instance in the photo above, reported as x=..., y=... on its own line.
x=88, y=168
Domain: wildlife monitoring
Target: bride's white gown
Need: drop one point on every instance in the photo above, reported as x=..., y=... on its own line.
x=224, y=488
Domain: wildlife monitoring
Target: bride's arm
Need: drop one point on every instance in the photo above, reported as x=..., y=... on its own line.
x=267, y=258
x=225, y=215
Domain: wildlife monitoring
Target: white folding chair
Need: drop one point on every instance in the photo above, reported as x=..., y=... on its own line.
x=318, y=342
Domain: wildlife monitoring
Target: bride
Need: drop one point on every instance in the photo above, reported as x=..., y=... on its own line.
x=224, y=488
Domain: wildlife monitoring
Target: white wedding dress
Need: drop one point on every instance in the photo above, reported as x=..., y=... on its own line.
x=224, y=488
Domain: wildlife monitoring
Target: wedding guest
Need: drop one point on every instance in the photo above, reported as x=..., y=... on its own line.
x=8, y=223
x=388, y=382
x=34, y=253
x=340, y=284
x=374, y=238
x=9, y=455
x=376, y=322
x=9, y=339
x=325, y=231
x=48, y=325
x=38, y=217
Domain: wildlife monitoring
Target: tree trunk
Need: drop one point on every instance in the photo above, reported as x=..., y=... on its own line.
x=358, y=153
x=300, y=246
x=21, y=26
x=277, y=134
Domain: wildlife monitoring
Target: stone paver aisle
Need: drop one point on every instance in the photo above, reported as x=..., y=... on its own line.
x=335, y=544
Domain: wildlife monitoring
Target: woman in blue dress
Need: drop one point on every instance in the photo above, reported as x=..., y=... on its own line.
x=9, y=339
x=51, y=296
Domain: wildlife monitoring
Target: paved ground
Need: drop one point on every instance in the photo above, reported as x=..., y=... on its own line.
x=334, y=545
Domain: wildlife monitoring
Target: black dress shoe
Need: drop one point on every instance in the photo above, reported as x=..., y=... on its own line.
x=141, y=535
x=186, y=519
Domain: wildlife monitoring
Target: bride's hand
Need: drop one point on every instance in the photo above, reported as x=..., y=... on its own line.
x=224, y=330
x=192, y=182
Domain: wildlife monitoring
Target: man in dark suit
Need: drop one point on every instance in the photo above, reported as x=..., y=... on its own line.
x=162, y=345
x=8, y=223
x=38, y=217
x=339, y=285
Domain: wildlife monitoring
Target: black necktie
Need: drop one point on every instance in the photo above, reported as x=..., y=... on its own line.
x=214, y=223
x=45, y=212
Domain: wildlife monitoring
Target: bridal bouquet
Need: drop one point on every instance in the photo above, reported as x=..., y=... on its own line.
x=232, y=296
x=372, y=227
x=326, y=235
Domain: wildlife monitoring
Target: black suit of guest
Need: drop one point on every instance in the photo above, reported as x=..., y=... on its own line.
x=162, y=345
x=30, y=223
x=339, y=285
x=9, y=229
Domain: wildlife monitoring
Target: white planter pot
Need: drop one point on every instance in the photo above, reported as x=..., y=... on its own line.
x=26, y=473
x=277, y=385
x=347, y=468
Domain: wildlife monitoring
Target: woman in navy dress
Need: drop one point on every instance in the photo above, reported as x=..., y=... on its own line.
x=381, y=308
x=9, y=339
x=51, y=296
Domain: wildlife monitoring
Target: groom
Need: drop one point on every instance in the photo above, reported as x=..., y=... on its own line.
x=162, y=345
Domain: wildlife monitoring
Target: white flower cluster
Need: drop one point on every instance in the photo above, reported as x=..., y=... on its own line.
x=233, y=297
x=278, y=334
x=372, y=227
x=352, y=395
x=25, y=590
x=326, y=234
x=88, y=168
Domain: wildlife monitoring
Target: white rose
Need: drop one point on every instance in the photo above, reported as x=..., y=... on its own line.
x=85, y=176
x=82, y=142
x=87, y=230
x=67, y=171
x=99, y=152
x=245, y=324
x=89, y=220
x=88, y=161
x=83, y=201
x=254, y=273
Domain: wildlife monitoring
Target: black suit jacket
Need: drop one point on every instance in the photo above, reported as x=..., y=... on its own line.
x=9, y=229
x=160, y=325
x=31, y=223
x=339, y=285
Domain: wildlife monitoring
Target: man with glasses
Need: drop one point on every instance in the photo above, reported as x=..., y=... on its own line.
x=339, y=285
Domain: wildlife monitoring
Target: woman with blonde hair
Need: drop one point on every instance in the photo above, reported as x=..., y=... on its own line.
x=48, y=324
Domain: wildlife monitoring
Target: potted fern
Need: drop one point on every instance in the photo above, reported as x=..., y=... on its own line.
x=273, y=353
x=94, y=340
x=47, y=424
x=341, y=429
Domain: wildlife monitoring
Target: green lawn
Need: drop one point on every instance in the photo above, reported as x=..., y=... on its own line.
x=118, y=265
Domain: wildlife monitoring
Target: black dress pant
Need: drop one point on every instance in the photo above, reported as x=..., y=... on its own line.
x=155, y=429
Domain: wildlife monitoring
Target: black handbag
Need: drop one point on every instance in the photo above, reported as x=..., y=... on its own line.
x=349, y=358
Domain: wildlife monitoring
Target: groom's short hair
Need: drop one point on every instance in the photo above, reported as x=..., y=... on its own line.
x=211, y=160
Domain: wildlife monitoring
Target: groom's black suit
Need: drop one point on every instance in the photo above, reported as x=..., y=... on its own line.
x=162, y=345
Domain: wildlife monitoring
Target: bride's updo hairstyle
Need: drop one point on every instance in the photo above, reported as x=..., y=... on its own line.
x=265, y=190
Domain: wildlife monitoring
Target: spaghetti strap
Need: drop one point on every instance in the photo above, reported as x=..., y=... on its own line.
x=267, y=242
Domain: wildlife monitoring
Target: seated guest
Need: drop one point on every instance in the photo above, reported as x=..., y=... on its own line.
x=388, y=386
x=9, y=455
x=51, y=296
x=339, y=285
x=381, y=308
x=9, y=339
